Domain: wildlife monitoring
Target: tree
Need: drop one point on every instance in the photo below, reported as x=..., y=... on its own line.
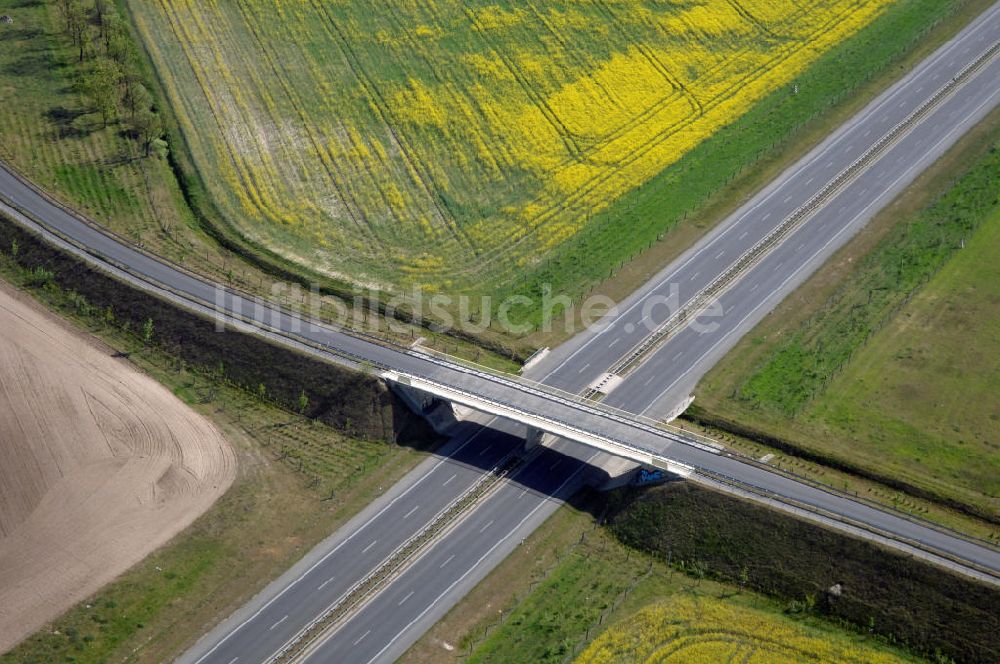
x=303, y=402
x=147, y=330
x=103, y=11
x=67, y=8
x=134, y=93
x=117, y=43
x=101, y=86
x=147, y=127
x=160, y=148
x=76, y=23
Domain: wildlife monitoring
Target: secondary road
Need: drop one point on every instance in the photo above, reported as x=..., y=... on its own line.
x=385, y=627
x=826, y=232
x=439, y=482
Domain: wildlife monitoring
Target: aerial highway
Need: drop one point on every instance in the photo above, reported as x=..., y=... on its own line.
x=383, y=627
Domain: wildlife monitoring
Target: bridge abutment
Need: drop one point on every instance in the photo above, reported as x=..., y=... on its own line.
x=440, y=414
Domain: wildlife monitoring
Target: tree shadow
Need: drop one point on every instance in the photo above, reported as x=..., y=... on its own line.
x=65, y=121
x=63, y=115
x=20, y=34
x=39, y=64
x=118, y=159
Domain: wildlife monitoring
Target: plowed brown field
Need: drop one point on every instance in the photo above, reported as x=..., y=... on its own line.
x=99, y=465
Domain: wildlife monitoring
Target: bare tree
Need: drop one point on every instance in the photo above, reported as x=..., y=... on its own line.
x=76, y=23
x=147, y=127
x=101, y=86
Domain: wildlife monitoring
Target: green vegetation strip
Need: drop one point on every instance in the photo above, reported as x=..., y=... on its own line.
x=599, y=584
x=652, y=210
x=298, y=480
x=397, y=561
x=803, y=365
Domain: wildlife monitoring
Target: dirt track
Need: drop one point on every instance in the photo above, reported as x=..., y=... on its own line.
x=99, y=465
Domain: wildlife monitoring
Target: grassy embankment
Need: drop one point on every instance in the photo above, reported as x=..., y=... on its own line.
x=883, y=592
x=883, y=364
x=698, y=187
x=298, y=477
x=56, y=137
x=55, y=132
x=671, y=211
x=573, y=583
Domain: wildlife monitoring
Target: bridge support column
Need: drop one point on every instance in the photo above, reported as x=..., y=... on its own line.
x=534, y=438
x=419, y=402
x=438, y=413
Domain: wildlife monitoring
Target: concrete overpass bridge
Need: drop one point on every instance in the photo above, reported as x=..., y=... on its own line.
x=538, y=425
x=829, y=195
x=543, y=408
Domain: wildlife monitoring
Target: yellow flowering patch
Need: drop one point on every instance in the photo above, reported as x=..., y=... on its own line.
x=440, y=141
x=693, y=630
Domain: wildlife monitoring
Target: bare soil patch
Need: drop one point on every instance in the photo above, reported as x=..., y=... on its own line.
x=99, y=466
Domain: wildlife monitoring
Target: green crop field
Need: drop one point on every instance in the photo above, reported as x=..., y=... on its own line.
x=896, y=371
x=371, y=185
x=52, y=134
x=460, y=145
x=603, y=602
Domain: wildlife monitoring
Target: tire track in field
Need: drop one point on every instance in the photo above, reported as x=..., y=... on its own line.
x=566, y=136
x=355, y=212
x=579, y=198
x=185, y=40
x=476, y=115
x=588, y=187
x=422, y=178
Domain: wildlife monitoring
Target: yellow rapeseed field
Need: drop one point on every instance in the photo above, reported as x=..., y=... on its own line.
x=454, y=143
x=693, y=630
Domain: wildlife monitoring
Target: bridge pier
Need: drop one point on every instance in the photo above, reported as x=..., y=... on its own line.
x=440, y=414
x=418, y=401
x=536, y=437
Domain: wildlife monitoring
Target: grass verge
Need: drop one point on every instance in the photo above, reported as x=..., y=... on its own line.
x=670, y=212
x=298, y=480
x=572, y=582
x=813, y=569
x=832, y=372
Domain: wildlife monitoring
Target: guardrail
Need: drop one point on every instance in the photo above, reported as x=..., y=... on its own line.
x=661, y=458
x=690, y=437
x=753, y=256
x=393, y=564
x=191, y=303
x=985, y=573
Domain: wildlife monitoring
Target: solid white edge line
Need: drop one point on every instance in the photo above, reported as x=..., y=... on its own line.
x=479, y=561
x=887, y=97
x=341, y=544
x=809, y=260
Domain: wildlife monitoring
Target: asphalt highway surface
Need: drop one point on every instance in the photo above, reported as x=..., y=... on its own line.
x=407, y=606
